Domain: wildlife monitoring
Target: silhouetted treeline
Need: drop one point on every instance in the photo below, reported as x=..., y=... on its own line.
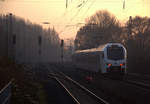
x=103, y=27
x=138, y=44
x=26, y=42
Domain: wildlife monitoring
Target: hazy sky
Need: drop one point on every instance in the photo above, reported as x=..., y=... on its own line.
x=65, y=20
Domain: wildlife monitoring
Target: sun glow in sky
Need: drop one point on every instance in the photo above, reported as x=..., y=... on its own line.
x=66, y=20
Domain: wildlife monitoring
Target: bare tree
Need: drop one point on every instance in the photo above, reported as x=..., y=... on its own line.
x=26, y=44
x=138, y=44
x=99, y=29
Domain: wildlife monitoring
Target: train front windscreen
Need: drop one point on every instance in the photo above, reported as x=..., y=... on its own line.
x=115, y=53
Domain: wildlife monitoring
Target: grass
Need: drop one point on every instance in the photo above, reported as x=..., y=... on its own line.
x=24, y=90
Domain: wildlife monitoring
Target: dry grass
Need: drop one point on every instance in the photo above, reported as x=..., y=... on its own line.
x=24, y=90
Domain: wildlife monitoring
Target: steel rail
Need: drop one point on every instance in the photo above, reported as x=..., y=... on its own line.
x=5, y=93
x=100, y=100
x=67, y=91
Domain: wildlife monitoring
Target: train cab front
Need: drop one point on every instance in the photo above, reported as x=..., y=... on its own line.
x=116, y=68
x=116, y=59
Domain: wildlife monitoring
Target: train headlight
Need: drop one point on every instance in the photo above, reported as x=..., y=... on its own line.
x=109, y=65
x=123, y=64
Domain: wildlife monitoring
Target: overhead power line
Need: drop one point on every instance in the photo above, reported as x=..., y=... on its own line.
x=62, y=1
x=88, y=9
x=74, y=16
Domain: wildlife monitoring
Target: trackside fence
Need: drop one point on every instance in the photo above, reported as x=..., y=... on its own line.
x=5, y=94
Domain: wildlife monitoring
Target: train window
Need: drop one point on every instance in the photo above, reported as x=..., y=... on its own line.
x=115, y=53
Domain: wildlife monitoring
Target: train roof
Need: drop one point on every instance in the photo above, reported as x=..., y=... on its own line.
x=98, y=49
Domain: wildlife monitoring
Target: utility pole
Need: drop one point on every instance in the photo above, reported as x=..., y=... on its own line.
x=62, y=50
x=130, y=27
x=14, y=46
x=40, y=50
x=124, y=4
x=10, y=36
x=70, y=49
x=66, y=3
x=11, y=39
x=7, y=34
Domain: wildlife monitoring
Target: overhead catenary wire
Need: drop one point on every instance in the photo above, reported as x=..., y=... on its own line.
x=86, y=12
x=74, y=16
x=67, y=12
x=79, y=7
x=62, y=1
x=79, y=11
x=63, y=16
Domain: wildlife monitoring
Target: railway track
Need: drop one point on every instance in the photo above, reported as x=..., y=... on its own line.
x=98, y=90
x=138, y=77
x=139, y=85
x=142, y=84
x=115, y=91
x=140, y=81
x=74, y=100
x=78, y=92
